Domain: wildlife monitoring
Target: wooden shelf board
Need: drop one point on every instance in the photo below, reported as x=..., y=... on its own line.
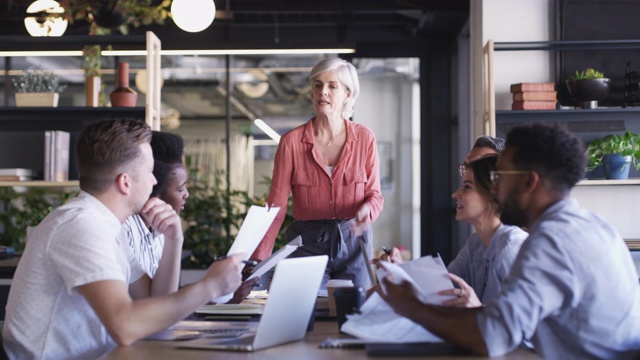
x=601, y=182
x=40, y=183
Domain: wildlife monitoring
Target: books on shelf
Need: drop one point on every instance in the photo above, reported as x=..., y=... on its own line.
x=535, y=96
x=633, y=244
x=536, y=86
x=533, y=105
x=16, y=174
x=56, y=155
x=14, y=178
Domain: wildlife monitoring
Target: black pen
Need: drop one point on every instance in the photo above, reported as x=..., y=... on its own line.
x=386, y=251
x=248, y=262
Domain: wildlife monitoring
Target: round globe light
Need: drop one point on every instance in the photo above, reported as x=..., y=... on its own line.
x=42, y=24
x=193, y=15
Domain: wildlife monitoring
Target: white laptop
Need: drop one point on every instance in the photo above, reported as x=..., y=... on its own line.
x=291, y=301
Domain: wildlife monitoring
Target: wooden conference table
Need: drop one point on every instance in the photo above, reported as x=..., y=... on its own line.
x=307, y=348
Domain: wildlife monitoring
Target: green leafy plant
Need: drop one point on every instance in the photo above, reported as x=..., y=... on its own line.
x=118, y=14
x=213, y=217
x=22, y=209
x=588, y=73
x=625, y=145
x=38, y=81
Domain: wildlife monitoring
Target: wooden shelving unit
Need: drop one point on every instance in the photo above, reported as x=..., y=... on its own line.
x=73, y=119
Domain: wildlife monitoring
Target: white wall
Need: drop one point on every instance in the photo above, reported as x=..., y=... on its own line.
x=615, y=203
x=508, y=20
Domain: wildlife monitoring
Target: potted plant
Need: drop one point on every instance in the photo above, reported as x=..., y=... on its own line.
x=588, y=86
x=37, y=88
x=92, y=66
x=615, y=153
x=213, y=216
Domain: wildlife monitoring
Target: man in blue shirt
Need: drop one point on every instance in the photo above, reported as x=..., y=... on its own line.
x=573, y=288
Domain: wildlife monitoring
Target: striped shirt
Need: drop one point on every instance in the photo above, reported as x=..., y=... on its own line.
x=145, y=247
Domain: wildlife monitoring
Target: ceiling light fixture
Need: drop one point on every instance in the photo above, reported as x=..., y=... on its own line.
x=345, y=50
x=267, y=130
x=44, y=19
x=193, y=15
x=255, y=89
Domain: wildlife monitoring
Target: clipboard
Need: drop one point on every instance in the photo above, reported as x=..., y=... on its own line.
x=268, y=263
x=367, y=261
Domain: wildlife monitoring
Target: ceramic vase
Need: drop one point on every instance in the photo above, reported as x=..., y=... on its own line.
x=123, y=95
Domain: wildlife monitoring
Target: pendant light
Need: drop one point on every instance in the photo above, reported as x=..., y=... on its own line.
x=193, y=15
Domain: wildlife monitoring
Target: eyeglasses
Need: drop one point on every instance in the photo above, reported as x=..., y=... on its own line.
x=461, y=169
x=497, y=174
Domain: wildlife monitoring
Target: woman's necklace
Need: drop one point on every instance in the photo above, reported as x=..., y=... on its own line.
x=334, y=136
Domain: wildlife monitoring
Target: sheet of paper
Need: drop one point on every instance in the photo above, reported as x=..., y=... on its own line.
x=377, y=322
x=427, y=274
x=430, y=275
x=253, y=229
x=268, y=263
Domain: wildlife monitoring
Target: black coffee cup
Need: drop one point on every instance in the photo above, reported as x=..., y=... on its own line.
x=348, y=301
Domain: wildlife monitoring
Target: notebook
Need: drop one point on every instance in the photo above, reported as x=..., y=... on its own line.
x=292, y=298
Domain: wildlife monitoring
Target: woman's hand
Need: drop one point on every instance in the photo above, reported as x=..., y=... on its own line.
x=464, y=296
x=362, y=220
x=393, y=257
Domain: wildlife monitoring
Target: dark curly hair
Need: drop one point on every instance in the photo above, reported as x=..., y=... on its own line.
x=167, y=155
x=551, y=150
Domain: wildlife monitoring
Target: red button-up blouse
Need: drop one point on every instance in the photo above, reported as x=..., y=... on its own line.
x=299, y=169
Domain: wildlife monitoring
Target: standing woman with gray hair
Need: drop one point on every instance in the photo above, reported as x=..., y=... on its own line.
x=330, y=165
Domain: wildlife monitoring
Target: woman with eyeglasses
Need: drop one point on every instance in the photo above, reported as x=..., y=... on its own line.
x=486, y=258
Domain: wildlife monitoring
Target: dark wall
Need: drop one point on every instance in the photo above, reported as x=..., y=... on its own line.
x=598, y=20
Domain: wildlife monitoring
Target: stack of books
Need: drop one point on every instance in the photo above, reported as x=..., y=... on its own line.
x=633, y=244
x=534, y=96
x=16, y=174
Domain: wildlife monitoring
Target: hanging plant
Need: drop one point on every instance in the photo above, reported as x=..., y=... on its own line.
x=105, y=17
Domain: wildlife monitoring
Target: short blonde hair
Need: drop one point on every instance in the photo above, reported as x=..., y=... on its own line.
x=348, y=76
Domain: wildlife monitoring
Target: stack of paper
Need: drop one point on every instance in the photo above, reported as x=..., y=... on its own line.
x=377, y=322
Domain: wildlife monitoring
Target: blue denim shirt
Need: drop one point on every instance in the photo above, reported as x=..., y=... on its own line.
x=573, y=290
x=485, y=268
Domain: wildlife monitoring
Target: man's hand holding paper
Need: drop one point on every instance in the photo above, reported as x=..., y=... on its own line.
x=420, y=281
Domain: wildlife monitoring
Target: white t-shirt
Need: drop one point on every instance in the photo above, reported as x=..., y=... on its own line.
x=46, y=318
